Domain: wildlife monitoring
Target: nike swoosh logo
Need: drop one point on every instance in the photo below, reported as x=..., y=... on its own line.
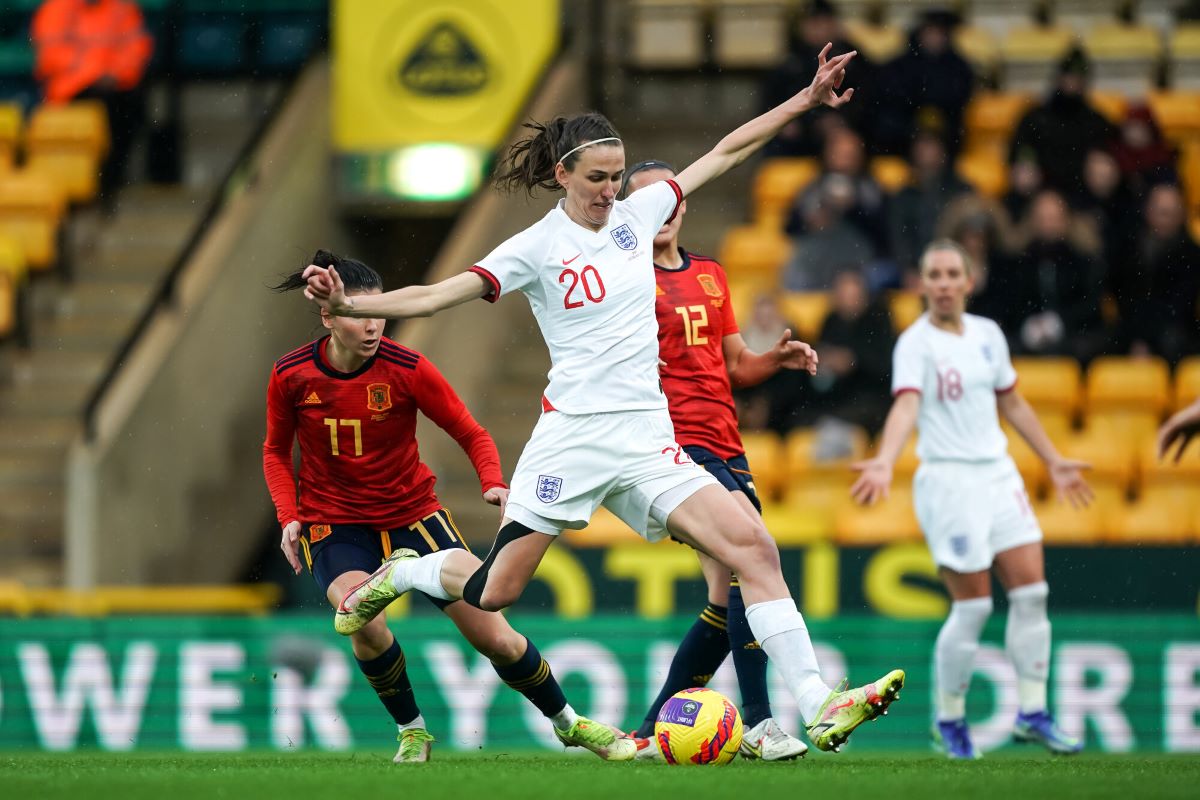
x=846, y=704
x=569, y=260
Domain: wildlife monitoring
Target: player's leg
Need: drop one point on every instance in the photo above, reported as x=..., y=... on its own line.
x=703, y=648
x=952, y=508
x=520, y=665
x=711, y=520
x=1021, y=571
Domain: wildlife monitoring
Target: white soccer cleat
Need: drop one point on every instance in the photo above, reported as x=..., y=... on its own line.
x=769, y=742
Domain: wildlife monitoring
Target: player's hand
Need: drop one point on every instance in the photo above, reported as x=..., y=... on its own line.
x=829, y=77
x=497, y=496
x=290, y=545
x=791, y=354
x=325, y=288
x=1067, y=476
x=874, y=481
x=1179, y=430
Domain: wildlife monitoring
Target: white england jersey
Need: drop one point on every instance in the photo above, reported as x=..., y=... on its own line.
x=958, y=377
x=592, y=294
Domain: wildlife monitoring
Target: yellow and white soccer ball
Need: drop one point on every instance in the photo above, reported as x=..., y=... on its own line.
x=698, y=726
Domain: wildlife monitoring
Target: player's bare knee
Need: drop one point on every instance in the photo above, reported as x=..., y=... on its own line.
x=496, y=597
x=503, y=646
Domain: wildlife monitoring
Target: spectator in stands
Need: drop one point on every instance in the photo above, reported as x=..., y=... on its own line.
x=1055, y=289
x=830, y=243
x=929, y=82
x=915, y=210
x=1024, y=182
x=1107, y=203
x=845, y=180
x=805, y=136
x=1061, y=131
x=754, y=403
x=855, y=346
x=979, y=229
x=1144, y=156
x=96, y=49
x=1157, y=280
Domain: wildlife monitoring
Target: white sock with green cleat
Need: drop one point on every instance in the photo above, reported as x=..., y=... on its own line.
x=780, y=630
x=564, y=719
x=423, y=574
x=416, y=722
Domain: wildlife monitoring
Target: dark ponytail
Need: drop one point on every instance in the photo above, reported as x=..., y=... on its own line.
x=356, y=276
x=529, y=163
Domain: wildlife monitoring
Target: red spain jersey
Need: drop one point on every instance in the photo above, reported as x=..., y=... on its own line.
x=358, y=447
x=694, y=316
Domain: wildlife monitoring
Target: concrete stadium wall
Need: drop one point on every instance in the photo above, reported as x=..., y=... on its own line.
x=171, y=489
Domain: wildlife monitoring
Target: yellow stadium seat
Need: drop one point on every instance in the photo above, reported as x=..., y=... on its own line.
x=978, y=46
x=790, y=525
x=800, y=446
x=1184, y=48
x=604, y=529
x=31, y=207
x=1131, y=426
x=768, y=465
x=985, y=170
x=10, y=134
x=1030, y=55
x=822, y=494
x=1112, y=461
x=891, y=172
x=666, y=34
x=879, y=43
x=994, y=115
x=1177, y=113
x=1050, y=383
x=12, y=276
x=1111, y=104
x=1029, y=464
x=1188, y=165
x=1187, y=382
x=807, y=311
x=1168, y=472
x=1063, y=525
x=1116, y=382
x=69, y=142
x=744, y=293
x=749, y=34
x=1161, y=516
x=904, y=307
x=887, y=522
x=1124, y=57
x=776, y=185
x=754, y=251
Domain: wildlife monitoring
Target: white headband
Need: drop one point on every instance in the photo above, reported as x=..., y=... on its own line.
x=567, y=155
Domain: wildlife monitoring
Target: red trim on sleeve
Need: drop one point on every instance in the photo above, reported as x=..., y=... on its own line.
x=905, y=389
x=1007, y=390
x=678, y=199
x=546, y=405
x=277, y=452
x=494, y=294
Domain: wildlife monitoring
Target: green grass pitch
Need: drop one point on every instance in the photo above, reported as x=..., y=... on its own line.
x=498, y=776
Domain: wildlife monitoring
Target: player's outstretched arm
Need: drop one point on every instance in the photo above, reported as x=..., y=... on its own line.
x=875, y=474
x=1179, y=430
x=1065, y=473
x=748, y=368
x=325, y=288
x=749, y=138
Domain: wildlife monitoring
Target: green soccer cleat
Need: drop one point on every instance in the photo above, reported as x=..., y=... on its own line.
x=364, y=602
x=414, y=746
x=844, y=711
x=600, y=739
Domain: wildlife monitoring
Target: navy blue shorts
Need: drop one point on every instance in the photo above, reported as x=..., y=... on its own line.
x=331, y=550
x=733, y=474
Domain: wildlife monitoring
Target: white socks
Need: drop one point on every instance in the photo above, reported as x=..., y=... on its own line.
x=954, y=655
x=423, y=574
x=1027, y=641
x=564, y=719
x=780, y=631
x=416, y=722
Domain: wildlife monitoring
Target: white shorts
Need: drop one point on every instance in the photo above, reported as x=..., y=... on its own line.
x=627, y=461
x=971, y=511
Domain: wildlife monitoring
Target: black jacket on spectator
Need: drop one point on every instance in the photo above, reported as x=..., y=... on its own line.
x=1055, y=276
x=1059, y=133
x=1156, y=284
x=916, y=81
x=913, y=215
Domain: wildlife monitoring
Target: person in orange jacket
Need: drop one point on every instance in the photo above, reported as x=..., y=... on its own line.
x=96, y=49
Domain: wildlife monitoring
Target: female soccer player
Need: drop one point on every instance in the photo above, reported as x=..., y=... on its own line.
x=704, y=356
x=605, y=436
x=352, y=399
x=951, y=372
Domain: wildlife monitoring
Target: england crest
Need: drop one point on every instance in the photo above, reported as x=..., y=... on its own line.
x=960, y=544
x=624, y=238
x=987, y=353
x=548, y=488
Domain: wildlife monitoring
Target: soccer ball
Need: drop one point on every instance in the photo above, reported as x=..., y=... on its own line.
x=698, y=726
